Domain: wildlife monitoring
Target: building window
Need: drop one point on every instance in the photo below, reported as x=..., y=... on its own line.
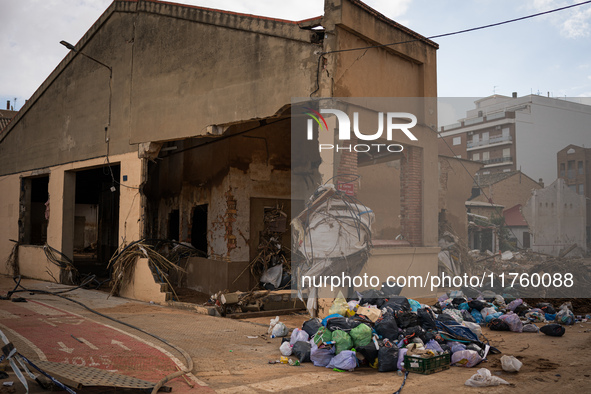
x=505, y=133
x=485, y=136
x=476, y=156
x=506, y=152
x=580, y=164
x=485, y=156
x=573, y=188
x=581, y=189
x=570, y=151
x=458, y=156
x=571, y=169
x=507, y=170
x=485, y=172
x=475, y=138
x=562, y=170
x=34, y=210
x=457, y=140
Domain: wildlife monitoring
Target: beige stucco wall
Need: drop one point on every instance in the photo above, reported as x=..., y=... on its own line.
x=32, y=259
x=142, y=286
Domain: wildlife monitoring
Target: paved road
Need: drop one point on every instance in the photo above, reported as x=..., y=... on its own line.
x=229, y=356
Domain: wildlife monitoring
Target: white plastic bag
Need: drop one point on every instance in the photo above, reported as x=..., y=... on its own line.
x=484, y=378
x=466, y=358
x=276, y=328
x=474, y=327
x=285, y=349
x=510, y=364
x=298, y=335
x=339, y=306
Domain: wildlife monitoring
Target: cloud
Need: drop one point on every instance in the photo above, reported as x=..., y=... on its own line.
x=572, y=23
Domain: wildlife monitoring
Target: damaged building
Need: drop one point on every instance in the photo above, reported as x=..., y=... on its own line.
x=173, y=122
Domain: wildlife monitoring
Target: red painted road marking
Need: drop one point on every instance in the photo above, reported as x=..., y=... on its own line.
x=69, y=338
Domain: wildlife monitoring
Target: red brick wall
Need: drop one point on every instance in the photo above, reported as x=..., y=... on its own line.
x=411, y=178
x=348, y=165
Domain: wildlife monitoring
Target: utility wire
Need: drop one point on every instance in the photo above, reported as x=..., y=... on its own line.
x=462, y=31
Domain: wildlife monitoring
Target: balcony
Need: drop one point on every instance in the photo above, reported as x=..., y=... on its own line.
x=498, y=140
x=498, y=160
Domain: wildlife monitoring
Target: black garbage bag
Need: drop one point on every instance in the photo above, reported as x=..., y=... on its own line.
x=369, y=352
x=407, y=319
x=311, y=326
x=467, y=316
x=445, y=317
x=521, y=310
x=372, y=297
x=546, y=307
x=390, y=291
x=554, y=330
x=458, y=300
x=478, y=305
x=445, y=347
x=302, y=351
x=386, y=327
x=426, y=319
x=415, y=332
x=388, y=357
x=398, y=303
x=341, y=323
x=498, y=325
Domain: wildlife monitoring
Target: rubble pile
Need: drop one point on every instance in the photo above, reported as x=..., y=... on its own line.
x=389, y=332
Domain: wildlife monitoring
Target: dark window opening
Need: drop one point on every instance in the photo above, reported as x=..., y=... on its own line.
x=96, y=219
x=34, y=210
x=199, y=228
x=174, y=222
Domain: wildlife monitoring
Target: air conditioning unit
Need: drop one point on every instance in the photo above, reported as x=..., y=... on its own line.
x=498, y=128
x=470, y=132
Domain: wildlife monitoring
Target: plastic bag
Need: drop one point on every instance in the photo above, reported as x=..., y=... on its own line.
x=487, y=311
x=498, y=325
x=466, y=358
x=455, y=314
x=512, y=321
x=388, y=357
x=484, y=379
x=344, y=360
x=361, y=335
x=285, y=349
x=407, y=319
x=457, y=347
x=321, y=357
x=477, y=316
x=510, y=364
x=273, y=275
x=514, y=304
x=554, y=330
x=426, y=319
x=298, y=335
x=302, y=351
x=493, y=316
x=433, y=345
x=339, y=306
x=368, y=352
x=342, y=341
x=311, y=326
x=530, y=327
x=475, y=328
x=276, y=328
x=386, y=327
x=565, y=315
x=322, y=335
x=401, y=354
x=546, y=307
x=414, y=305
x=535, y=316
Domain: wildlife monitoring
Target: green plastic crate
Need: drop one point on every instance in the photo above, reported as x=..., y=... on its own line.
x=427, y=366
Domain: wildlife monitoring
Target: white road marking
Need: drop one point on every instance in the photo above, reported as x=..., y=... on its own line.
x=90, y=345
x=175, y=360
x=30, y=344
x=48, y=322
x=7, y=315
x=41, y=309
x=64, y=348
x=120, y=344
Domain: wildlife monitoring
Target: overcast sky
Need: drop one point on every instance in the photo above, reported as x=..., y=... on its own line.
x=551, y=53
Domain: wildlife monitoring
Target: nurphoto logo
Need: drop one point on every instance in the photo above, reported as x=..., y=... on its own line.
x=344, y=127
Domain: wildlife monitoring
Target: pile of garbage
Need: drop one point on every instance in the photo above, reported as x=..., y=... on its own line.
x=391, y=332
x=331, y=235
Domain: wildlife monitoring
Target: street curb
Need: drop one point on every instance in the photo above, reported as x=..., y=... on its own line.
x=203, y=310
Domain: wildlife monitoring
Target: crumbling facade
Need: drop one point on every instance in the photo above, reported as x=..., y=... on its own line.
x=184, y=132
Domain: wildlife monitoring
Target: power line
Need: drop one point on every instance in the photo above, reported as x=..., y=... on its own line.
x=462, y=31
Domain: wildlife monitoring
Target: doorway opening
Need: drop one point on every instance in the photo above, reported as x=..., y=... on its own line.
x=199, y=228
